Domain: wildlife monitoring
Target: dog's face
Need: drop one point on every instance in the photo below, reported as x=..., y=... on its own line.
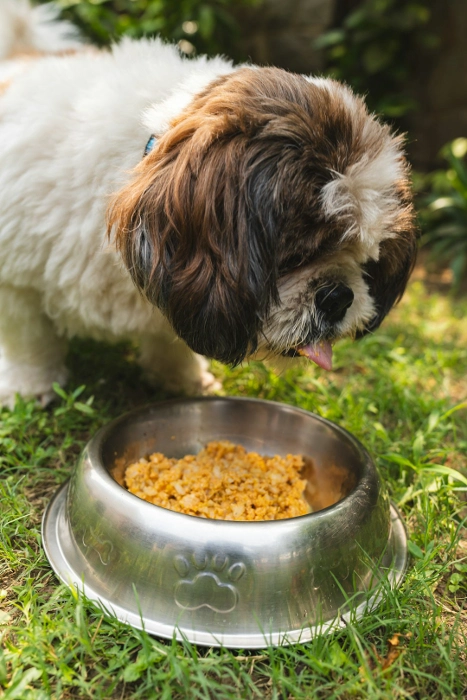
x=273, y=215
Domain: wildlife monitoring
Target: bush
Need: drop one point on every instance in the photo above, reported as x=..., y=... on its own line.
x=199, y=26
x=370, y=50
x=443, y=209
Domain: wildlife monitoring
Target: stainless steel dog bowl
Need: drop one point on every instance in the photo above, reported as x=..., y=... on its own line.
x=215, y=582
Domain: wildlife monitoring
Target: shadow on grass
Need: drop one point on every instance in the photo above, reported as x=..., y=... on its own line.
x=111, y=374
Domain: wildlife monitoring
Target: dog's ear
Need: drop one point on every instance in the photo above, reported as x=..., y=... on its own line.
x=199, y=224
x=387, y=277
x=198, y=235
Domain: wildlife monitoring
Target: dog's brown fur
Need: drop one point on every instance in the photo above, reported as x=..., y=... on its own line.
x=229, y=201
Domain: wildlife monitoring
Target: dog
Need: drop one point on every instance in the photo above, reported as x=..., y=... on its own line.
x=204, y=209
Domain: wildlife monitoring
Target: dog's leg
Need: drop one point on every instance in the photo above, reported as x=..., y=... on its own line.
x=31, y=353
x=169, y=363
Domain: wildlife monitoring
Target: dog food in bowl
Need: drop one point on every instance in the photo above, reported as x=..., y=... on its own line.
x=222, y=482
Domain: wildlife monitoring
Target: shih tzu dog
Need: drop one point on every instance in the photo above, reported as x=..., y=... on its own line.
x=201, y=208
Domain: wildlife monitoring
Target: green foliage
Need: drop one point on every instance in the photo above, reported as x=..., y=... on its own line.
x=443, y=209
x=370, y=51
x=202, y=26
x=457, y=582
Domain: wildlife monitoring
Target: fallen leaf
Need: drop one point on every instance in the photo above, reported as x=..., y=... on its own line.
x=394, y=650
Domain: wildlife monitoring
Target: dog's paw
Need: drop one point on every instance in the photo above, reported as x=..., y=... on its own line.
x=202, y=382
x=29, y=381
x=176, y=370
x=206, y=383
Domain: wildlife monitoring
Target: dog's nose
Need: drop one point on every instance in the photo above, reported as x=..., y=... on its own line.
x=333, y=300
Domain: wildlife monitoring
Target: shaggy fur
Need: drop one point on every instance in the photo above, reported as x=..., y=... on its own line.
x=273, y=214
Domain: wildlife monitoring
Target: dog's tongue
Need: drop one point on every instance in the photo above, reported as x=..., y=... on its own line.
x=321, y=353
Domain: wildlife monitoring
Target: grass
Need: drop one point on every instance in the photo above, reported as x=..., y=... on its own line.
x=401, y=391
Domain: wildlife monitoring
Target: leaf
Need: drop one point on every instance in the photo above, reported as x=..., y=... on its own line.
x=336, y=36
x=393, y=651
x=4, y=617
x=206, y=21
x=132, y=673
x=459, y=147
x=418, y=445
x=397, y=459
x=442, y=470
x=409, y=495
x=442, y=203
x=84, y=408
x=379, y=428
x=3, y=668
x=377, y=57
x=58, y=390
x=397, y=107
x=77, y=392
x=458, y=166
x=338, y=657
x=433, y=421
x=415, y=550
x=354, y=19
x=458, y=265
x=16, y=691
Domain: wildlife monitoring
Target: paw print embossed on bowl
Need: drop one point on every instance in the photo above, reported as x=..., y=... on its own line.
x=214, y=582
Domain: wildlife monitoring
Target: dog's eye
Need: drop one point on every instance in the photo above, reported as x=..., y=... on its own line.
x=291, y=263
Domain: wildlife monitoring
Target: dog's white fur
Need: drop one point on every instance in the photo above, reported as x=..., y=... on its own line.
x=24, y=28
x=288, y=321
x=71, y=129
x=365, y=192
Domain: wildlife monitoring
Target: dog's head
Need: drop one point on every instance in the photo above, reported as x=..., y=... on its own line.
x=274, y=214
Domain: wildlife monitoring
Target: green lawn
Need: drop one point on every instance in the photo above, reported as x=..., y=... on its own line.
x=400, y=391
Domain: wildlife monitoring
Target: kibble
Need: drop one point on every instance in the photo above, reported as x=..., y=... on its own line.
x=222, y=482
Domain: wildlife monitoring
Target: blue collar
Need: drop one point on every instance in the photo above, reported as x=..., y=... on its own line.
x=150, y=144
